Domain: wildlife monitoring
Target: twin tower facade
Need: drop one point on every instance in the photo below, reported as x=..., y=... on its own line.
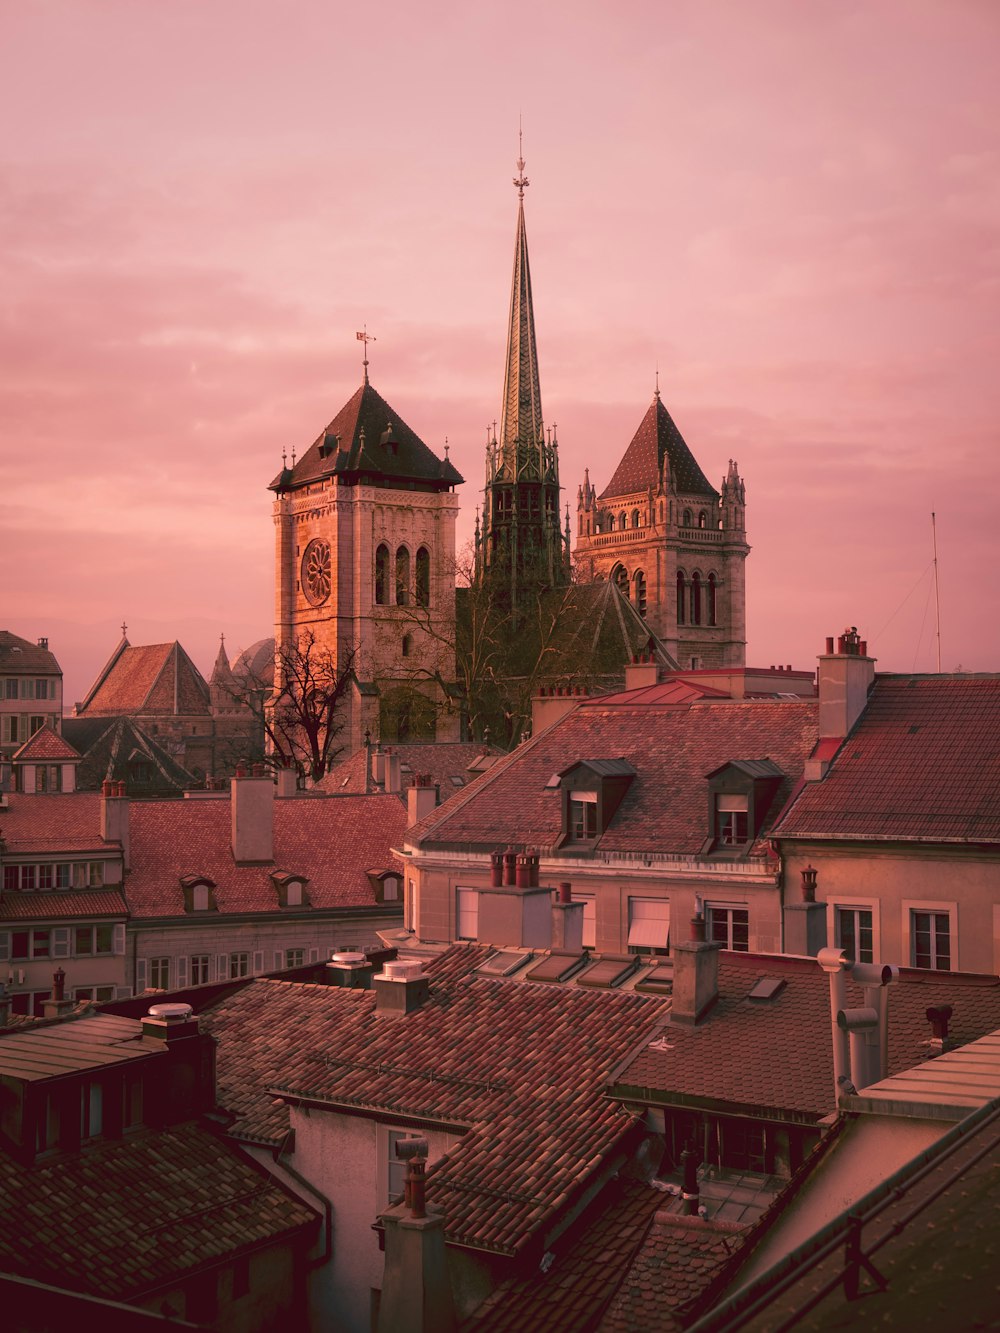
x=365, y=563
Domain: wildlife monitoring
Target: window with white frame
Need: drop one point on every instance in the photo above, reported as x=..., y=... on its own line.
x=582, y=815
x=648, y=925
x=159, y=973
x=729, y=926
x=854, y=933
x=199, y=969
x=467, y=914
x=732, y=819
x=589, y=918
x=239, y=965
x=395, y=1169
x=99, y=994
x=295, y=957
x=930, y=940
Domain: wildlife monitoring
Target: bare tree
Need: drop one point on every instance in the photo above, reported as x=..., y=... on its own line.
x=299, y=713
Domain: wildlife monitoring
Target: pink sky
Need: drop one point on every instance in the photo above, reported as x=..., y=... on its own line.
x=793, y=209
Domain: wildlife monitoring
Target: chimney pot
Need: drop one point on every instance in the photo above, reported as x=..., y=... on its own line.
x=809, y=884
x=698, y=928
x=496, y=870
x=107, y=787
x=938, y=1016
x=565, y=891
x=510, y=866
x=59, y=984
x=829, y=646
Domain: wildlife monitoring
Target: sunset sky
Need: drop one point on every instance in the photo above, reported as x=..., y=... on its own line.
x=792, y=209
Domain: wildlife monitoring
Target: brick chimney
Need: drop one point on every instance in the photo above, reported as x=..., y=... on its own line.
x=252, y=806
x=393, y=776
x=114, y=817
x=805, y=920
x=182, y=1086
x=696, y=975
x=416, y=1287
x=288, y=782
x=58, y=1006
x=421, y=799
x=845, y=677
x=641, y=671
x=567, y=921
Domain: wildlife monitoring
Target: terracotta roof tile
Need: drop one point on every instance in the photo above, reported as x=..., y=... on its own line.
x=65, y=822
x=156, y=678
x=76, y=903
x=137, y=1212
x=443, y=760
x=524, y=1067
x=45, y=745
x=923, y=762
x=786, y=1055
x=21, y=657
x=639, y=469
x=671, y=746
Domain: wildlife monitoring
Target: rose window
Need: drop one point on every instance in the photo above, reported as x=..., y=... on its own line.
x=316, y=571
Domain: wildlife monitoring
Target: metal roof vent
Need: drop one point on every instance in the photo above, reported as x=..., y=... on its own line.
x=171, y=1013
x=766, y=988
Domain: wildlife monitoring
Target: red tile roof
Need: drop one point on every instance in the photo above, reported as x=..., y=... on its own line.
x=138, y=1212
x=589, y=1262
x=332, y=841
x=672, y=747
x=658, y=438
x=45, y=824
x=156, y=679
x=443, y=760
x=44, y=746
x=677, y=1260
x=785, y=1050
x=21, y=657
x=922, y=763
x=523, y=1066
x=76, y=903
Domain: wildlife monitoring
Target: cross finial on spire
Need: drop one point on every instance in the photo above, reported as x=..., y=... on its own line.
x=520, y=180
x=365, y=337
x=657, y=380
x=124, y=628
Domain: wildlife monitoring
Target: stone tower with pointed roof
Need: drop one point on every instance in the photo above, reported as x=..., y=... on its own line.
x=519, y=546
x=675, y=546
x=365, y=560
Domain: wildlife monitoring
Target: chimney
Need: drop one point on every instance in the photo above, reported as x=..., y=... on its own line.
x=393, y=776
x=549, y=704
x=182, y=1085
x=874, y=978
x=252, y=817
x=352, y=971
x=379, y=765
x=805, y=921
x=43, y=643
x=416, y=1287
x=58, y=1006
x=938, y=1015
x=288, y=782
x=567, y=921
x=641, y=671
x=845, y=677
x=696, y=975
x=421, y=799
x=689, y=1186
x=400, y=988
x=114, y=817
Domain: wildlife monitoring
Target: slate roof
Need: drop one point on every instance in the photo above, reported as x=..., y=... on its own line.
x=158, y=679
x=334, y=842
x=44, y=823
x=785, y=1059
x=589, y=1262
x=138, y=1212
x=443, y=760
x=671, y=746
x=110, y=746
x=21, y=657
x=677, y=1259
x=923, y=763
x=76, y=904
x=523, y=1067
x=639, y=469
x=361, y=424
x=45, y=746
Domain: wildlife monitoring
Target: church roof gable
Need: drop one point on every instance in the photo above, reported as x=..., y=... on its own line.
x=368, y=436
x=639, y=468
x=154, y=678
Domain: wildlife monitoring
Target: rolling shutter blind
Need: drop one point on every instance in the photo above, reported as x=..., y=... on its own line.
x=182, y=971
x=648, y=922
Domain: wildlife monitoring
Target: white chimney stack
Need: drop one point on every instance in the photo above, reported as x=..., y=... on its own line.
x=114, y=817
x=845, y=677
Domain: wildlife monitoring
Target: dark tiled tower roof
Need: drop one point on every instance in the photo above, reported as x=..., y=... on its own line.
x=658, y=438
x=367, y=437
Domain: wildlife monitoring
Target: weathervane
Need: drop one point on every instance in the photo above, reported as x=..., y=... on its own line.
x=366, y=337
x=520, y=180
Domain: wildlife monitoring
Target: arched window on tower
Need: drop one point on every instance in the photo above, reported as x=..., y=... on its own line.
x=681, y=597
x=712, y=600
x=639, y=583
x=696, y=598
x=402, y=576
x=382, y=575
x=622, y=521
x=686, y=521
x=407, y=644
x=620, y=576
x=422, y=586
x=635, y=518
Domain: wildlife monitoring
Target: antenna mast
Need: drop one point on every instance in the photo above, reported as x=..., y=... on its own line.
x=937, y=591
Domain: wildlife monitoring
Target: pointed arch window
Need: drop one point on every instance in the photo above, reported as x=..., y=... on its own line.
x=620, y=576
x=702, y=519
x=639, y=600
x=382, y=575
x=712, y=591
x=622, y=521
x=635, y=518
x=402, y=577
x=686, y=521
x=422, y=587
x=681, y=597
x=696, y=598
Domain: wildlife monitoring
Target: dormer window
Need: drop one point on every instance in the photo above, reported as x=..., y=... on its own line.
x=386, y=885
x=740, y=794
x=592, y=790
x=199, y=893
x=582, y=815
x=291, y=889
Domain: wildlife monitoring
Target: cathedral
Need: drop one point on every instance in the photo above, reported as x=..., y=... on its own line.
x=365, y=559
